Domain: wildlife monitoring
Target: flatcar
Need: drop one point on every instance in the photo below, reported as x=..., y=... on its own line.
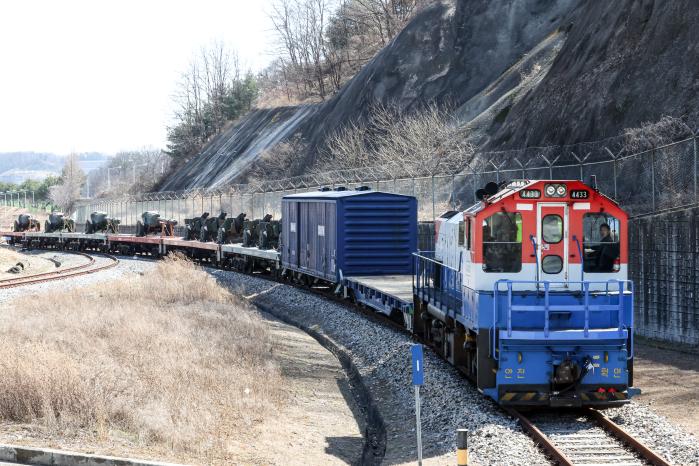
x=527, y=292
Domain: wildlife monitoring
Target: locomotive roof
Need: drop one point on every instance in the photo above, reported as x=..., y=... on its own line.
x=339, y=194
x=515, y=186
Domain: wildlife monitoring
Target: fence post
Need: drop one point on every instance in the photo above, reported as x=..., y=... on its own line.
x=433, y=203
x=695, y=167
x=453, y=192
x=652, y=176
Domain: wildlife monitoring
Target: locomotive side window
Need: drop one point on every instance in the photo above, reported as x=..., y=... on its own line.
x=552, y=229
x=600, y=243
x=502, y=242
x=462, y=232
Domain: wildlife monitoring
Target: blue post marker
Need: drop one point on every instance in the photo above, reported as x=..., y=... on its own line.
x=418, y=379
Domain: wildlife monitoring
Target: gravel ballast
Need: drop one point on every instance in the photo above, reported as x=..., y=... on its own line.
x=382, y=356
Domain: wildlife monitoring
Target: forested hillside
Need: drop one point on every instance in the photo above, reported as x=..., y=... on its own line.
x=495, y=74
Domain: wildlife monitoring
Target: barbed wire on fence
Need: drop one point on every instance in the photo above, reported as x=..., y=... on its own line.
x=658, y=178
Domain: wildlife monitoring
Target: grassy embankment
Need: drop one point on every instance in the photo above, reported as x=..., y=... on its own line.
x=167, y=364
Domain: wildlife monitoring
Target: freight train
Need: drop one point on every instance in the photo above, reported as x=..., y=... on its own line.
x=526, y=292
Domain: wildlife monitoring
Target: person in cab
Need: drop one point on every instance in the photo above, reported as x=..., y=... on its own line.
x=606, y=251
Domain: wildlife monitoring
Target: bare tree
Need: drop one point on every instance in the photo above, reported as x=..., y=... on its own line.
x=68, y=191
x=426, y=142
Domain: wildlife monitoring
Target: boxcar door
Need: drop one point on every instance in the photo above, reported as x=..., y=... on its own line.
x=319, y=250
x=291, y=211
x=552, y=240
x=330, y=240
x=304, y=241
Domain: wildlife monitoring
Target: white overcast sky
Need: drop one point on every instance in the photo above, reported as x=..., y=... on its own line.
x=99, y=75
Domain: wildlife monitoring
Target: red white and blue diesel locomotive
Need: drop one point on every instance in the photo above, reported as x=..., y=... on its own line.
x=526, y=291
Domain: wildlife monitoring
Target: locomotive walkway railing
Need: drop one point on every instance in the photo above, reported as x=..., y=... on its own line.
x=439, y=284
x=612, y=289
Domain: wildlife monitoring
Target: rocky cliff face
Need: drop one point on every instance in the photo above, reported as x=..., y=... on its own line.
x=517, y=72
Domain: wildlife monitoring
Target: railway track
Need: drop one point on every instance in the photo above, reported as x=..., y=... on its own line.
x=586, y=438
x=77, y=270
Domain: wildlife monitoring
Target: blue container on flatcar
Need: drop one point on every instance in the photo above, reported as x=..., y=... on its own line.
x=341, y=233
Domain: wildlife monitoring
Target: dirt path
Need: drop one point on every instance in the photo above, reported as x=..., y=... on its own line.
x=669, y=381
x=320, y=422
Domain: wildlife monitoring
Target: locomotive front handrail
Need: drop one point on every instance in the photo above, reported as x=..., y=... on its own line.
x=585, y=307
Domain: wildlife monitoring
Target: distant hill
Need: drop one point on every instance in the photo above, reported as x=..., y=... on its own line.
x=16, y=167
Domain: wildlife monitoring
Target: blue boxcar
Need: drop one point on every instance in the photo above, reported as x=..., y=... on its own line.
x=329, y=234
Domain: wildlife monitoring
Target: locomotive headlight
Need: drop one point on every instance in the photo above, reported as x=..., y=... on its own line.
x=550, y=190
x=561, y=190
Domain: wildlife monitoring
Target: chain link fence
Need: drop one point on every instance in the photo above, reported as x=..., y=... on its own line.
x=646, y=182
x=657, y=182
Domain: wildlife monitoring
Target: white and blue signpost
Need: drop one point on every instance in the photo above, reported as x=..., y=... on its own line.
x=418, y=379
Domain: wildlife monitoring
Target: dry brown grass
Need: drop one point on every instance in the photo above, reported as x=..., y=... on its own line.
x=169, y=361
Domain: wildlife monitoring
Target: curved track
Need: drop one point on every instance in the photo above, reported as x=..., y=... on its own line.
x=578, y=438
x=586, y=438
x=77, y=270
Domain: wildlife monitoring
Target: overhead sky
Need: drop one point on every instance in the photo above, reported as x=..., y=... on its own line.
x=79, y=75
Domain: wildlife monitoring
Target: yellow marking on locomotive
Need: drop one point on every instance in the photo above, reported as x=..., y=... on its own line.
x=528, y=396
x=508, y=396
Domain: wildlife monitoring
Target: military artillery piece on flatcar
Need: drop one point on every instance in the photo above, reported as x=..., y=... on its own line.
x=210, y=227
x=231, y=231
x=26, y=222
x=263, y=234
x=151, y=223
x=58, y=222
x=99, y=222
x=193, y=226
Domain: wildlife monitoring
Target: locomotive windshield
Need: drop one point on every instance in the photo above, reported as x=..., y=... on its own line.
x=601, y=243
x=502, y=242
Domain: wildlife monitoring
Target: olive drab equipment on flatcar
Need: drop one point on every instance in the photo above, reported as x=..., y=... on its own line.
x=232, y=230
x=528, y=291
x=151, y=223
x=57, y=221
x=100, y=222
x=26, y=222
x=193, y=226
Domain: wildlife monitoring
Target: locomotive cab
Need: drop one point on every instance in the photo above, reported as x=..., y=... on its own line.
x=527, y=291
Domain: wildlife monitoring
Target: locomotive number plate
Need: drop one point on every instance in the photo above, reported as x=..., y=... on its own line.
x=579, y=194
x=530, y=194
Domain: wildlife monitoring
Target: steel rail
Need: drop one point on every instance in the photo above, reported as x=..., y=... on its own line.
x=600, y=420
x=538, y=436
x=91, y=260
x=61, y=275
x=623, y=436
